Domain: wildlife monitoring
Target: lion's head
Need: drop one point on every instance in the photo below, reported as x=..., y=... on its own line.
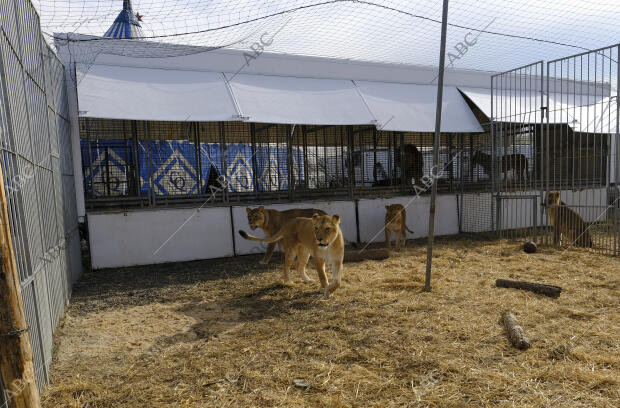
x=256, y=217
x=552, y=198
x=393, y=213
x=325, y=228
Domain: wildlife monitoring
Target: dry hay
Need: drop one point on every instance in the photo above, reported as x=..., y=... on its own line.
x=222, y=333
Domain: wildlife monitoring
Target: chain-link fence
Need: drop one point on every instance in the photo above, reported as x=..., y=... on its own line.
x=38, y=174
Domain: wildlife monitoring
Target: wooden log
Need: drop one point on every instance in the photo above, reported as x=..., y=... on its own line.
x=16, y=362
x=367, y=254
x=515, y=332
x=547, y=290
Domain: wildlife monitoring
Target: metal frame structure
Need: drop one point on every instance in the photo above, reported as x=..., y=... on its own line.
x=516, y=181
x=566, y=114
x=281, y=163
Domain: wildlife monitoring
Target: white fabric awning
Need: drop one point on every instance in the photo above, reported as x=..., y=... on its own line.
x=292, y=100
x=411, y=107
x=160, y=94
x=116, y=92
x=584, y=113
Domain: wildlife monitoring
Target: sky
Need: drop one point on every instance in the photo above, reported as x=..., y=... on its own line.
x=393, y=31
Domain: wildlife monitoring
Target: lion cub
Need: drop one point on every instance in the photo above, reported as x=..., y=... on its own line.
x=270, y=221
x=319, y=236
x=396, y=220
x=566, y=222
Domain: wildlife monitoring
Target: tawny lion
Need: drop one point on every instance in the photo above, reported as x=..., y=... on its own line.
x=319, y=236
x=566, y=222
x=396, y=220
x=270, y=221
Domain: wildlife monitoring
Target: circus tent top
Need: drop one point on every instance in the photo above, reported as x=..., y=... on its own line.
x=126, y=25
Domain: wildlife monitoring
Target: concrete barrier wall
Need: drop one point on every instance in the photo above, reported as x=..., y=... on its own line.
x=142, y=237
x=150, y=236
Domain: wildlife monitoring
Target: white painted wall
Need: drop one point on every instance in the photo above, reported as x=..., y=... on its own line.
x=372, y=216
x=346, y=210
x=133, y=237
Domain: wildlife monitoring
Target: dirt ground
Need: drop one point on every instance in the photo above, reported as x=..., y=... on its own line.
x=225, y=333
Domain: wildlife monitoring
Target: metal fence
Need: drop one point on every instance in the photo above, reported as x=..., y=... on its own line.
x=38, y=174
x=551, y=155
x=137, y=163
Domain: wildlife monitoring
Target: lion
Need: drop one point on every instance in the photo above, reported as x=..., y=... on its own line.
x=566, y=222
x=319, y=236
x=270, y=221
x=396, y=220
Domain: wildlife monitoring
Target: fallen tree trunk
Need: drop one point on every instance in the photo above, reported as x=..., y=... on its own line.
x=515, y=332
x=367, y=254
x=547, y=290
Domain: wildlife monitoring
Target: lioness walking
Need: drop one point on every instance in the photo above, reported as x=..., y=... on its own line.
x=396, y=220
x=270, y=221
x=319, y=236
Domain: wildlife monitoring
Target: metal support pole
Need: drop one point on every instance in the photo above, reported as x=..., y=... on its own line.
x=435, y=172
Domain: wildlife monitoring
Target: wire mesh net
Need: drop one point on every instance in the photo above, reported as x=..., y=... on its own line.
x=482, y=35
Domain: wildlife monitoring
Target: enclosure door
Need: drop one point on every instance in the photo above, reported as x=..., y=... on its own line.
x=518, y=111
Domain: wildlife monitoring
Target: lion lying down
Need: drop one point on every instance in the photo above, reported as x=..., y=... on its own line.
x=319, y=236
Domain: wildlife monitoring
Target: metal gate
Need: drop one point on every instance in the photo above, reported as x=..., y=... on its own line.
x=554, y=150
x=517, y=109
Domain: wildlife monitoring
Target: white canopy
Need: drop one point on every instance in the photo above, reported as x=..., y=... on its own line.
x=291, y=100
x=407, y=107
x=131, y=93
x=138, y=93
x=584, y=113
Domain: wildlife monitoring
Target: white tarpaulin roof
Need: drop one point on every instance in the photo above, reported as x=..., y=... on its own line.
x=584, y=113
x=290, y=100
x=403, y=107
x=597, y=117
x=131, y=93
x=137, y=93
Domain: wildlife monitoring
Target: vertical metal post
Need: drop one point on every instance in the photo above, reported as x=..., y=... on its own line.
x=351, y=164
x=137, y=184
x=151, y=166
x=224, y=161
x=198, y=156
x=495, y=189
x=545, y=154
x=304, y=137
x=374, y=154
x=462, y=167
x=403, y=164
x=616, y=209
x=289, y=162
x=90, y=158
x=254, y=161
x=434, y=172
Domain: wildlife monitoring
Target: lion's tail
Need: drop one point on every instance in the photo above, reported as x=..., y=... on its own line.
x=274, y=238
x=407, y=228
